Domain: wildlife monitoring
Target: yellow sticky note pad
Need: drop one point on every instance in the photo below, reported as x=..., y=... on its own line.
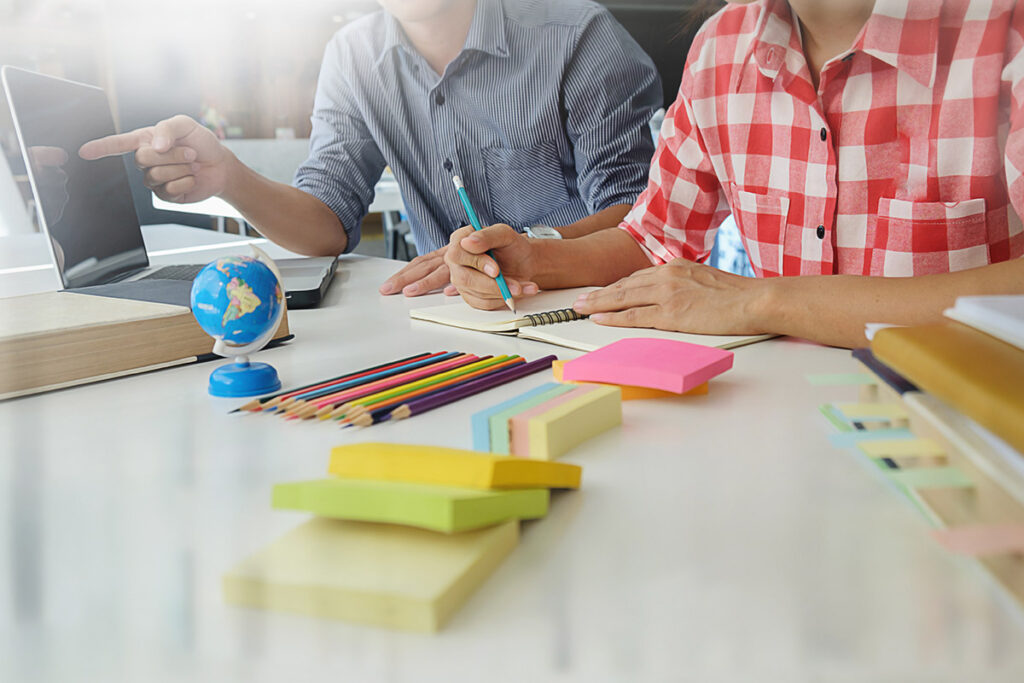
x=896, y=448
x=872, y=411
x=631, y=393
x=380, y=574
x=554, y=429
x=449, y=467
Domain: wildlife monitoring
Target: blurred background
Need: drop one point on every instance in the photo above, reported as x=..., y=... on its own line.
x=247, y=69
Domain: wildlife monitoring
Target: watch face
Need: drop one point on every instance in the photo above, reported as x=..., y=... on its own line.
x=543, y=232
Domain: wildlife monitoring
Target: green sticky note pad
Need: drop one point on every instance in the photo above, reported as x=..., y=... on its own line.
x=437, y=508
x=930, y=478
x=835, y=417
x=842, y=379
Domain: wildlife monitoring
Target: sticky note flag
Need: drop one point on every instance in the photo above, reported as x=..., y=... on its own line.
x=630, y=393
x=381, y=574
x=663, y=364
x=852, y=438
x=483, y=424
x=898, y=448
x=979, y=540
x=556, y=427
x=835, y=417
x=449, y=467
x=872, y=411
x=930, y=478
x=440, y=508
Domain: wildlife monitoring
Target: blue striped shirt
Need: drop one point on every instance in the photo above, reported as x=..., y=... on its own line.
x=543, y=113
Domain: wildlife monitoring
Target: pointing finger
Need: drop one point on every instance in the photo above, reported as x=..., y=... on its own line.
x=113, y=145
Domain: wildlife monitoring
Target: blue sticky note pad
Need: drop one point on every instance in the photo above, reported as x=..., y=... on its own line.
x=851, y=439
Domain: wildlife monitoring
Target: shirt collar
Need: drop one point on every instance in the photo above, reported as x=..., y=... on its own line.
x=486, y=33
x=904, y=34
x=886, y=36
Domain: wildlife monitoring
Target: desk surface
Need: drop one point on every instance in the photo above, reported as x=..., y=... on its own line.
x=716, y=537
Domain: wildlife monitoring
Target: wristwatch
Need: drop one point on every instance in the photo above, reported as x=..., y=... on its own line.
x=542, y=232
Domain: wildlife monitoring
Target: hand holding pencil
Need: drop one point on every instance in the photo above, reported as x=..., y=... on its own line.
x=481, y=273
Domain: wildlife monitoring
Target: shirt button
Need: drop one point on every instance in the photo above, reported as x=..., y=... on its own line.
x=439, y=99
x=824, y=135
x=448, y=165
x=821, y=232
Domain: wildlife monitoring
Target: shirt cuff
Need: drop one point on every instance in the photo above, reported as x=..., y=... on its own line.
x=652, y=248
x=349, y=211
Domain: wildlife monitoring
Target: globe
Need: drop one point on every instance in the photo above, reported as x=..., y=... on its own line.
x=236, y=299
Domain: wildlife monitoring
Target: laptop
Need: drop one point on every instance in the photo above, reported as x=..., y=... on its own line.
x=86, y=208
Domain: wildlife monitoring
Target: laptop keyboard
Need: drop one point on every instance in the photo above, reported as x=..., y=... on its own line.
x=181, y=272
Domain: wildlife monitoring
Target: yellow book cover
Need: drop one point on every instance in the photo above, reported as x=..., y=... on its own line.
x=978, y=375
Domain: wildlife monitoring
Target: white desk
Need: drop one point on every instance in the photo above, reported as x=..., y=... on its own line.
x=716, y=538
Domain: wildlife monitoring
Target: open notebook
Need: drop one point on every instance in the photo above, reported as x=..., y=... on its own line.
x=548, y=317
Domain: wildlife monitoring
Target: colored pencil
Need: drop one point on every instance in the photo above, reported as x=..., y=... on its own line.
x=261, y=403
x=367, y=414
x=310, y=407
x=474, y=220
x=342, y=411
x=324, y=406
x=429, y=360
x=470, y=388
x=430, y=364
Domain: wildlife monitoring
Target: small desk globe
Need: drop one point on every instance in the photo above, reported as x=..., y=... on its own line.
x=238, y=301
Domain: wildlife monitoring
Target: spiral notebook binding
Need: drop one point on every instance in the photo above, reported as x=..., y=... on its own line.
x=563, y=315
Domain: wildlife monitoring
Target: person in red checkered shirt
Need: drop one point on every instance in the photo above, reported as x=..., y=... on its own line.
x=871, y=152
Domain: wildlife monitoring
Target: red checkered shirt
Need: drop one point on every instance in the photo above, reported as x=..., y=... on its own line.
x=903, y=162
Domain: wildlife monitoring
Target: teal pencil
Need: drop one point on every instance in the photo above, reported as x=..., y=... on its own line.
x=474, y=220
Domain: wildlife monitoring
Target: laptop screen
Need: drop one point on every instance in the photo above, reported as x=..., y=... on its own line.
x=86, y=206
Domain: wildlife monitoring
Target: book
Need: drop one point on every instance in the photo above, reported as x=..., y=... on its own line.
x=663, y=364
x=554, y=428
x=999, y=316
x=380, y=574
x=59, y=339
x=975, y=373
x=548, y=317
x=448, y=467
x=439, y=508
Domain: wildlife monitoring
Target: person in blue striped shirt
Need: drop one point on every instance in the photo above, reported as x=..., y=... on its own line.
x=541, y=106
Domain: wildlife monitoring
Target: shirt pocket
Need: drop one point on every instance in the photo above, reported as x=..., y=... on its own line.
x=918, y=238
x=525, y=184
x=762, y=220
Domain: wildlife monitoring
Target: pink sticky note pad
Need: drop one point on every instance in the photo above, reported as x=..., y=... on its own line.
x=653, y=363
x=519, y=426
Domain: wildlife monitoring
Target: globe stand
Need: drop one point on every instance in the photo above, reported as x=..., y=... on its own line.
x=242, y=378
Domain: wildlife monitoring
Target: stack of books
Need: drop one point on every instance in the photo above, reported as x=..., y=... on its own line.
x=946, y=426
x=401, y=535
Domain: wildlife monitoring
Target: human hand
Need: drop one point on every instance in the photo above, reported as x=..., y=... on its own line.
x=680, y=296
x=473, y=272
x=423, y=275
x=182, y=161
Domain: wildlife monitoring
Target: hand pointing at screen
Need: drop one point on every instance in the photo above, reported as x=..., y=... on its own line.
x=184, y=162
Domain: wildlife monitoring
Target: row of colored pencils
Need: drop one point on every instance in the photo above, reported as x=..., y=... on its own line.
x=397, y=390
